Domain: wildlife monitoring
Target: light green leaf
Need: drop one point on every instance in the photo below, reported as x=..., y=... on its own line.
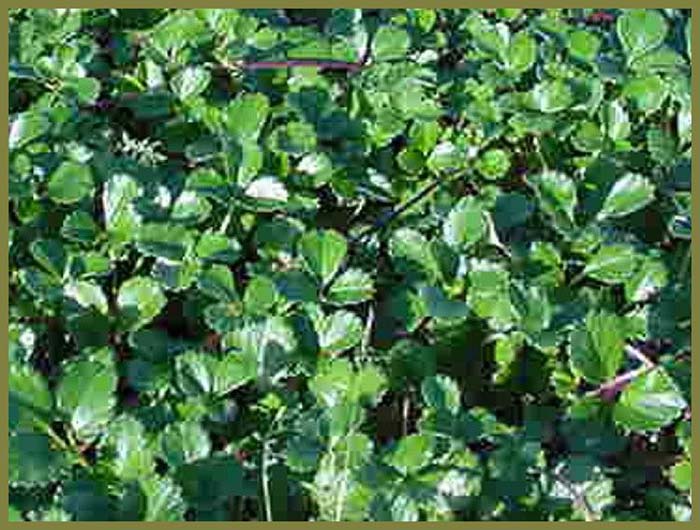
x=598, y=350
x=440, y=392
x=70, y=183
x=167, y=241
x=190, y=82
x=412, y=453
x=629, y=194
x=649, y=403
x=522, y=52
x=184, y=442
x=464, y=225
x=133, y=457
x=493, y=164
x=86, y=393
x=612, y=264
x=140, y=300
x=616, y=121
x=648, y=92
x=390, y=43
x=338, y=332
x=552, y=96
x=323, y=252
x=641, y=30
x=260, y=295
x=352, y=287
x=583, y=45
x=87, y=294
x=557, y=197
x=121, y=218
x=246, y=116
x=27, y=127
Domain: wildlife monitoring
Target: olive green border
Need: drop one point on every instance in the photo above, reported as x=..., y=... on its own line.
x=4, y=261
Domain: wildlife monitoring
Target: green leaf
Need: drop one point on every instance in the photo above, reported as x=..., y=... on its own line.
x=411, y=254
x=190, y=208
x=440, y=392
x=163, y=499
x=616, y=121
x=445, y=156
x=267, y=192
x=598, y=350
x=86, y=393
x=50, y=254
x=167, y=241
x=183, y=443
x=352, y=287
x=338, y=332
x=87, y=295
x=31, y=459
x=557, y=197
x=336, y=382
x=213, y=247
x=323, y=252
x=522, y=53
x=27, y=127
x=412, y=453
x=210, y=481
x=87, y=500
x=140, y=300
x=648, y=92
x=30, y=401
x=464, y=225
x=264, y=349
x=133, y=457
x=492, y=39
x=649, y=403
x=552, y=96
x=439, y=306
x=488, y=295
x=245, y=117
x=681, y=475
x=80, y=227
x=493, y=164
x=640, y=31
x=260, y=295
x=86, y=89
x=121, y=218
x=583, y=45
x=190, y=82
x=70, y=183
x=294, y=138
x=390, y=43
x=217, y=282
x=612, y=264
x=629, y=194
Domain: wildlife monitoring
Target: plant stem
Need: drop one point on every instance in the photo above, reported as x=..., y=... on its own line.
x=343, y=486
x=409, y=203
x=267, y=501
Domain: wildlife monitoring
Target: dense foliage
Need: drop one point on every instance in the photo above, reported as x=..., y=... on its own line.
x=349, y=264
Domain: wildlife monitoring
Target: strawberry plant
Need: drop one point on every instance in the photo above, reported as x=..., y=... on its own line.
x=346, y=265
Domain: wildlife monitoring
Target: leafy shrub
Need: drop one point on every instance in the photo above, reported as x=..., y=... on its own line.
x=349, y=264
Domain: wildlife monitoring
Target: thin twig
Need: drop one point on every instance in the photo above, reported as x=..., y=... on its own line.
x=636, y=354
x=610, y=389
x=409, y=203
